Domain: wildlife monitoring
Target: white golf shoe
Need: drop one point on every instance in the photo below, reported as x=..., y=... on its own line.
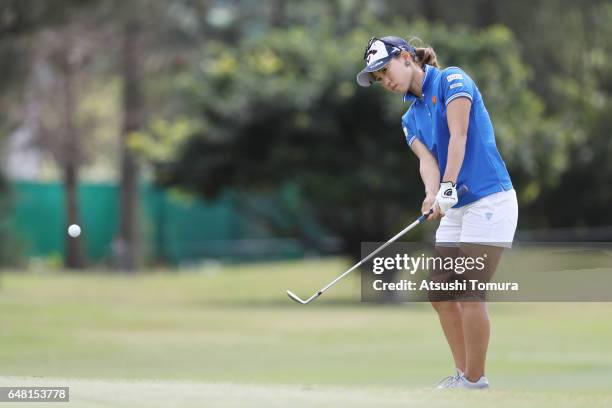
x=481, y=384
x=450, y=381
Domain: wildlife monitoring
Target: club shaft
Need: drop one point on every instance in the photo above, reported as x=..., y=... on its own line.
x=367, y=258
x=460, y=191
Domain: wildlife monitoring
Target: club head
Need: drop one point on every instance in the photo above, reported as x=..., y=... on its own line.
x=295, y=297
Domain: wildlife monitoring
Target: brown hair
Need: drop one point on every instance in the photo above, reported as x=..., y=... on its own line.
x=425, y=54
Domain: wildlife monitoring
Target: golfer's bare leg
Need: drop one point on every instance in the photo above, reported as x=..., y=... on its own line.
x=476, y=332
x=449, y=314
x=475, y=318
x=450, y=317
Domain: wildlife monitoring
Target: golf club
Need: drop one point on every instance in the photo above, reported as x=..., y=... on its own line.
x=460, y=191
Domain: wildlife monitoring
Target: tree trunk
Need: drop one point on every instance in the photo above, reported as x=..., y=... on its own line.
x=127, y=244
x=428, y=9
x=487, y=13
x=277, y=13
x=73, y=258
x=73, y=255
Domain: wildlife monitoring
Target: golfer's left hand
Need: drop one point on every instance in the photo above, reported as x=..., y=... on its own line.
x=430, y=204
x=447, y=196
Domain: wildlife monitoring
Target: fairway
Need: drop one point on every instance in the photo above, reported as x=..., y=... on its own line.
x=229, y=336
x=126, y=394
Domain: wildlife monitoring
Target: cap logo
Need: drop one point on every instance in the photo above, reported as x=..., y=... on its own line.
x=378, y=48
x=370, y=53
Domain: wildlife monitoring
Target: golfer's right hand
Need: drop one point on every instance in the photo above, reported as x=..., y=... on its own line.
x=428, y=204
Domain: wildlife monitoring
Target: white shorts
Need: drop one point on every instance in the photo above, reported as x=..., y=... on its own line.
x=491, y=220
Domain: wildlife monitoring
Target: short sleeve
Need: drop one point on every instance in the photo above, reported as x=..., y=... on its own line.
x=456, y=84
x=409, y=128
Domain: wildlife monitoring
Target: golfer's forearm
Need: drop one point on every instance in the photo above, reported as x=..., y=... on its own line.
x=456, y=153
x=430, y=173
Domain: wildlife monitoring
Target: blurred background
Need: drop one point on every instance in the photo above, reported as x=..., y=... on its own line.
x=185, y=130
x=222, y=149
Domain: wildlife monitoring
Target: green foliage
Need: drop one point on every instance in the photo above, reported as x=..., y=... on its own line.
x=586, y=97
x=269, y=99
x=163, y=139
x=283, y=108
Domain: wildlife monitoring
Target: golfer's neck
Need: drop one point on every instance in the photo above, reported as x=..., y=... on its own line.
x=416, y=88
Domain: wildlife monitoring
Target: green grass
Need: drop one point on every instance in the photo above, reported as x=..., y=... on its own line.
x=229, y=334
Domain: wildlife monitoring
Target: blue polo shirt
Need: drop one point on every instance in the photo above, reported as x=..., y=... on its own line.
x=483, y=171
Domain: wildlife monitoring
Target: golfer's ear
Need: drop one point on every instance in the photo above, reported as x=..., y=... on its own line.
x=406, y=56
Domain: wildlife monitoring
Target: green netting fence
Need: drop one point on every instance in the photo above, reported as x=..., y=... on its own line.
x=175, y=227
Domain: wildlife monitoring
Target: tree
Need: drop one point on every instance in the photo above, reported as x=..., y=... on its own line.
x=583, y=195
x=54, y=89
x=147, y=30
x=127, y=243
x=20, y=25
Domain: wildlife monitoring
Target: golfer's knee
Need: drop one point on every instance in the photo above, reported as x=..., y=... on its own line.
x=446, y=307
x=473, y=305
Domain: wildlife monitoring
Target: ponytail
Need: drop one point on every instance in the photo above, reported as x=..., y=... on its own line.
x=424, y=55
x=427, y=56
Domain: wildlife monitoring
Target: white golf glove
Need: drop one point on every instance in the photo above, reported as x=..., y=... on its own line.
x=447, y=196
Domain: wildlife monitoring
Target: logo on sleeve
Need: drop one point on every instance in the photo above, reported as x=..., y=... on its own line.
x=452, y=77
x=457, y=85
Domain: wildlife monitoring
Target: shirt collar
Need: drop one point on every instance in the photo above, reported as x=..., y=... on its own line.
x=409, y=96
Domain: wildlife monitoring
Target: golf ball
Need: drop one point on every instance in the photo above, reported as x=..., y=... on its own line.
x=74, y=230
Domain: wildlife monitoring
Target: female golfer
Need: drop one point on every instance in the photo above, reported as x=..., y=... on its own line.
x=448, y=128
